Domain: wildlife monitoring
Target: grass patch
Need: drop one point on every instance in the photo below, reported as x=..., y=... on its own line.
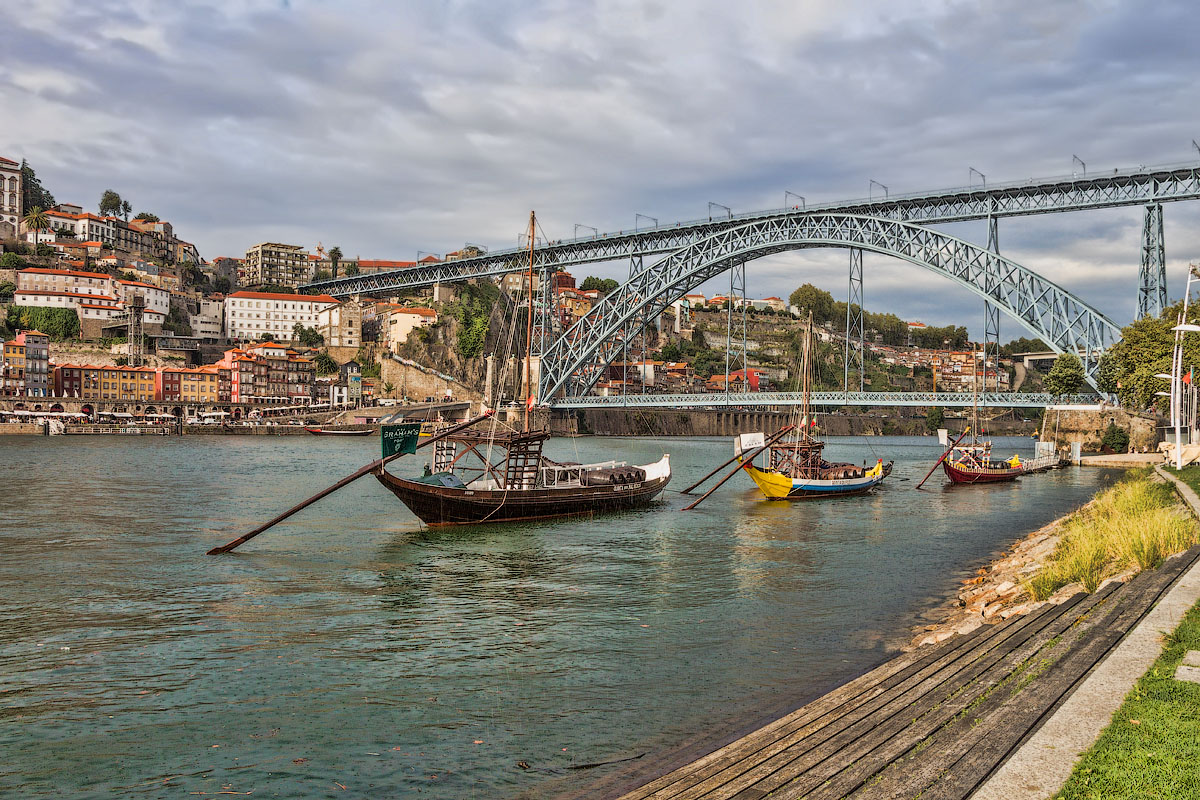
x=1133, y=525
x=1151, y=748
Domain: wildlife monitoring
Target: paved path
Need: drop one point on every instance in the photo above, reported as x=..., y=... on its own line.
x=1122, y=460
x=1043, y=764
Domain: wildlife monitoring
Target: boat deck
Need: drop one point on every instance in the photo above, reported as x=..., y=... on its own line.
x=935, y=722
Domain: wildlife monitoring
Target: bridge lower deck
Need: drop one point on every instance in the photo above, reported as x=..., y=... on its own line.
x=934, y=723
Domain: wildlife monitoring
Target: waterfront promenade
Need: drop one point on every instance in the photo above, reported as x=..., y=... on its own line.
x=935, y=722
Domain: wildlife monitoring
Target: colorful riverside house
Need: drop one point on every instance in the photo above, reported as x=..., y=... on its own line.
x=12, y=382
x=268, y=373
x=77, y=380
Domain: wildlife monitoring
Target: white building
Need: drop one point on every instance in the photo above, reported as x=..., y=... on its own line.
x=341, y=325
x=249, y=315
x=206, y=322
x=400, y=322
x=10, y=197
x=272, y=263
x=41, y=279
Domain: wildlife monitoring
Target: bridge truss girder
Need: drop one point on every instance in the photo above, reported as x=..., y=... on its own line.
x=759, y=400
x=1046, y=196
x=575, y=362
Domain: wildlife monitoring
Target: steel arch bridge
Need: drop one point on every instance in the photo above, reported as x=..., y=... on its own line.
x=573, y=363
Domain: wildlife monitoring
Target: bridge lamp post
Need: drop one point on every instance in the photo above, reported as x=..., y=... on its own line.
x=595, y=231
x=982, y=177
x=1197, y=146
x=799, y=197
x=1082, y=165
x=1176, y=375
x=636, y=217
x=871, y=187
x=718, y=205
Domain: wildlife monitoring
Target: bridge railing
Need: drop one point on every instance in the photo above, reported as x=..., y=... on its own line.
x=704, y=400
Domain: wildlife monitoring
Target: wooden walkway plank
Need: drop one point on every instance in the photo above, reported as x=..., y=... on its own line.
x=1005, y=728
x=872, y=754
x=641, y=782
x=845, y=698
x=964, y=747
x=794, y=751
x=856, y=743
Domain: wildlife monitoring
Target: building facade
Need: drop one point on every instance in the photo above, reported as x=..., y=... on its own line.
x=251, y=315
x=275, y=264
x=401, y=321
x=10, y=198
x=341, y=325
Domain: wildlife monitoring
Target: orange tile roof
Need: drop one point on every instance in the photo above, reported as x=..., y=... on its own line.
x=421, y=312
x=7, y=160
x=318, y=298
x=70, y=272
x=369, y=263
x=139, y=283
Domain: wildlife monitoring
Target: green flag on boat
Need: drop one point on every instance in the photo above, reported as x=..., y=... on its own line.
x=399, y=438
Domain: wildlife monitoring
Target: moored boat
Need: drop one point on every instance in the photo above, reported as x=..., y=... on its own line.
x=330, y=432
x=491, y=473
x=796, y=468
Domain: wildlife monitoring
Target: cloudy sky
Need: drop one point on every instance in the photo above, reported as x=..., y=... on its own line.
x=388, y=128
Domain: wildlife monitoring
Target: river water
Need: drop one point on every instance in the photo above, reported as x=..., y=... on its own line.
x=350, y=647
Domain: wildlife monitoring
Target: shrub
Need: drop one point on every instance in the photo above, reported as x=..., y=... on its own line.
x=1115, y=439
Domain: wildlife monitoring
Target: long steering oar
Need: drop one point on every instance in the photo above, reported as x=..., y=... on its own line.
x=369, y=468
x=733, y=472
x=949, y=450
x=727, y=463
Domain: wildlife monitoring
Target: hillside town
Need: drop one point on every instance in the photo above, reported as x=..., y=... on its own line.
x=105, y=307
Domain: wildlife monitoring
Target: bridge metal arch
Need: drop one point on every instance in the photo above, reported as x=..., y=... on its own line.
x=574, y=363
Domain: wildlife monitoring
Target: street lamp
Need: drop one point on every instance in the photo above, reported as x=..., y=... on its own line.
x=718, y=205
x=1177, y=368
x=982, y=177
x=871, y=186
x=793, y=194
x=1082, y=165
x=636, y=217
x=595, y=232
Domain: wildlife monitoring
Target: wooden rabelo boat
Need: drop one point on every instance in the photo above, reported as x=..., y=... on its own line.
x=973, y=463
x=489, y=474
x=500, y=476
x=796, y=468
x=328, y=432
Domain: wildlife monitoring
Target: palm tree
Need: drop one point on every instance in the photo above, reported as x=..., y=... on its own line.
x=36, y=221
x=335, y=255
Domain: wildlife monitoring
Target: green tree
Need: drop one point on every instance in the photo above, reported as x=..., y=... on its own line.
x=12, y=261
x=1115, y=439
x=934, y=419
x=335, y=257
x=1108, y=374
x=388, y=387
x=44, y=250
x=604, y=285
x=809, y=298
x=325, y=364
x=321, y=275
x=126, y=208
x=32, y=191
x=352, y=269
x=36, y=221
x=1066, y=376
x=1023, y=345
x=309, y=337
x=146, y=216
x=221, y=285
x=7, y=288
x=110, y=204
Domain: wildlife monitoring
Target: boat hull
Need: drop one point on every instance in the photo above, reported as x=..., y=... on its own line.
x=323, y=432
x=781, y=487
x=961, y=473
x=444, y=505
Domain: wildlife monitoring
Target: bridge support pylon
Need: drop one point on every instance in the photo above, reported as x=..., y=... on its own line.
x=855, y=330
x=991, y=314
x=1152, y=289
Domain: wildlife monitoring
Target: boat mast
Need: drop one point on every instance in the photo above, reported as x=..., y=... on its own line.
x=529, y=321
